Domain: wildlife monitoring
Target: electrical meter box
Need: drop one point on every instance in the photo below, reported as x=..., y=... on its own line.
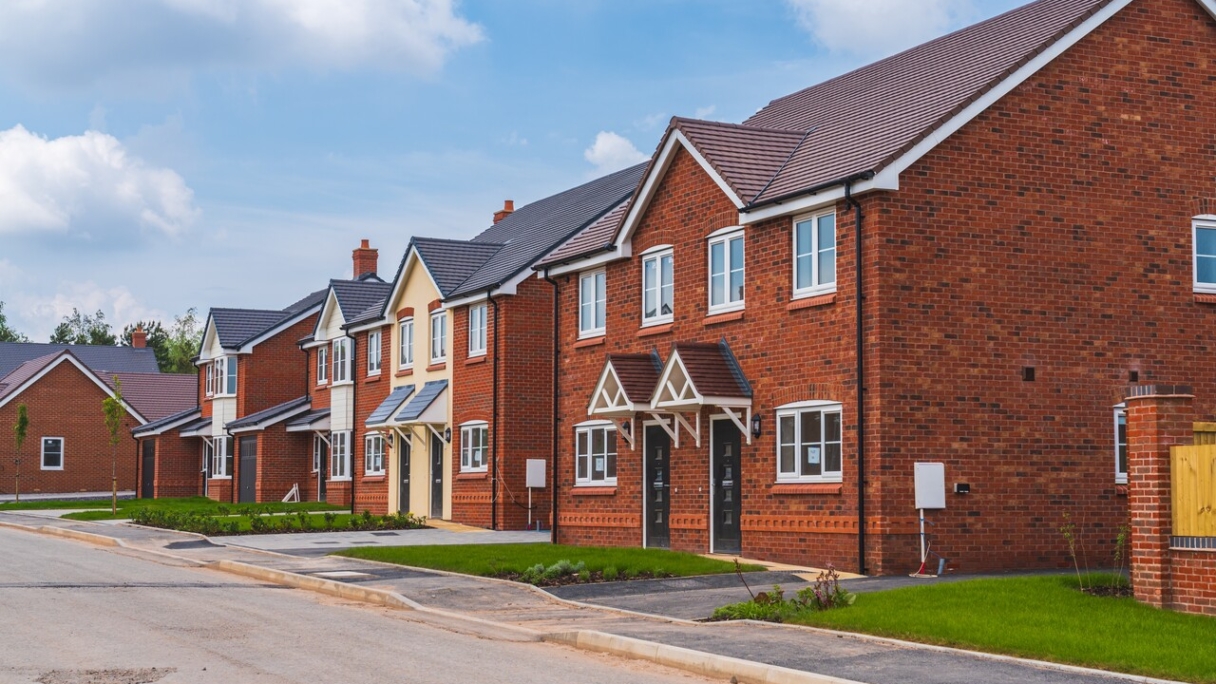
x=536, y=473
x=930, y=485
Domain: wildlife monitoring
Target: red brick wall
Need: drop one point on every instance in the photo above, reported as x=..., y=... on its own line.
x=472, y=392
x=178, y=466
x=273, y=373
x=65, y=403
x=284, y=460
x=371, y=492
x=1193, y=575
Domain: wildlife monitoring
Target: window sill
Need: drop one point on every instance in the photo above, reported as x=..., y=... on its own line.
x=727, y=317
x=1121, y=490
x=442, y=365
x=807, y=488
x=404, y=373
x=589, y=342
x=589, y=490
x=1205, y=298
x=59, y=469
x=377, y=477
x=474, y=360
x=344, y=383
x=338, y=479
x=811, y=302
x=371, y=378
x=472, y=476
x=220, y=477
x=648, y=331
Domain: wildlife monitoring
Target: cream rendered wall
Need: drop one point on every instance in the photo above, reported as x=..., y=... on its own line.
x=418, y=292
x=341, y=395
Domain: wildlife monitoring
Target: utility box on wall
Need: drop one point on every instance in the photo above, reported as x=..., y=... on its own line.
x=930, y=485
x=536, y=473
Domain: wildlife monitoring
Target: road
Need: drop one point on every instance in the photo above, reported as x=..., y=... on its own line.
x=71, y=613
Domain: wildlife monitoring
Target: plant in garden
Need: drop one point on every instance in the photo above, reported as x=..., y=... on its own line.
x=115, y=411
x=329, y=520
x=1120, y=553
x=825, y=594
x=1069, y=531
x=20, y=430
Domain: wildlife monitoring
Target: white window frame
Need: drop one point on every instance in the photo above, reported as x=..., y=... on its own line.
x=477, y=330
x=1120, y=412
x=320, y=450
x=593, y=297
x=439, y=342
x=725, y=238
x=42, y=453
x=341, y=360
x=209, y=390
x=584, y=461
x=322, y=364
x=225, y=375
x=815, y=249
x=795, y=411
x=1206, y=222
x=656, y=255
x=373, y=353
x=468, y=451
x=339, y=456
x=219, y=458
x=373, y=454
x=208, y=457
x=405, y=348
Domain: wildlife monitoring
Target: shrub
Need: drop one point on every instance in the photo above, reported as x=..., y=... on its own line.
x=611, y=573
x=825, y=594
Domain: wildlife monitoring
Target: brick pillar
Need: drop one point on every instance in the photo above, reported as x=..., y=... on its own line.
x=1158, y=417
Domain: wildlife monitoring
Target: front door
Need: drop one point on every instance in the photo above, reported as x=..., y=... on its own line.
x=322, y=467
x=658, y=486
x=724, y=447
x=403, y=467
x=148, y=471
x=249, y=470
x=436, y=477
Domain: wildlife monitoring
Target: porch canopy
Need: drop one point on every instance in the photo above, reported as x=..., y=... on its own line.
x=697, y=375
x=197, y=428
x=255, y=422
x=624, y=390
x=394, y=401
x=182, y=420
x=429, y=407
x=316, y=420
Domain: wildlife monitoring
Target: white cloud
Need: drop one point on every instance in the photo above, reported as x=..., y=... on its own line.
x=53, y=43
x=38, y=315
x=705, y=112
x=611, y=152
x=879, y=27
x=650, y=121
x=86, y=185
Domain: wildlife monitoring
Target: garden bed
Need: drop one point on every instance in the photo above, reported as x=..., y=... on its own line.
x=261, y=522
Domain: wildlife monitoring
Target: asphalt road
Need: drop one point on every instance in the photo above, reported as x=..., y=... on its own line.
x=71, y=613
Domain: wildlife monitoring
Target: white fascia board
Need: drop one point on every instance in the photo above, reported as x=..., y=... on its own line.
x=452, y=304
x=192, y=416
x=624, y=251
x=411, y=257
x=87, y=373
x=273, y=421
x=813, y=202
x=330, y=305
x=315, y=343
x=370, y=325
x=209, y=333
x=247, y=348
x=655, y=176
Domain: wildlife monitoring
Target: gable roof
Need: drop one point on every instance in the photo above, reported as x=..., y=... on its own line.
x=238, y=327
x=356, y=296
x=28, y=373
x=596, y=237
x=157, y=395
x=96, y=357
x=451, y=262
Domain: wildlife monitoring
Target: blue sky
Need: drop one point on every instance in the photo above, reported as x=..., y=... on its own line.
x=161, y=154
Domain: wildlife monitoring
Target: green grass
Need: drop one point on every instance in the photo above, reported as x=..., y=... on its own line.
x=489, y=560
x=1044, y=618
x=100, y=510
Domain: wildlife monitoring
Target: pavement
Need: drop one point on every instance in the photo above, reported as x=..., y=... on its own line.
x=320, y=544
x=69, y=496
x=516, y=608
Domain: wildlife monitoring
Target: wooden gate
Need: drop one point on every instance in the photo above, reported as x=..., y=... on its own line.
x=1193, y=487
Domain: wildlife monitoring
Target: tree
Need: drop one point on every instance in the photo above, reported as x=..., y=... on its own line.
x=7, y=334
x=20, y=428
x=84, y=329
x=115, y=413
x=158, y=340
x=183, y=344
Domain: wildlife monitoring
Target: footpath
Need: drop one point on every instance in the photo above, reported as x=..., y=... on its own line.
x=499, y=609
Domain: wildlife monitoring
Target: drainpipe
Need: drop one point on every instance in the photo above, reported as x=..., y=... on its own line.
x=861, y=399
x=139, y=475
x=494, y=424
x=350, y=448
x=553, y=461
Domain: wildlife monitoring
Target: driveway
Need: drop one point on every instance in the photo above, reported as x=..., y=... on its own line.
x=321, y=543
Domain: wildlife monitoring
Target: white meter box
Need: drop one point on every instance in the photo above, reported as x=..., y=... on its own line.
x=536, y=473
x=930, y=485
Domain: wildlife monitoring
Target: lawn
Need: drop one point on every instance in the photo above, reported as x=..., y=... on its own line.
x=197, y=504
x=1044, y=618
x=507, y=560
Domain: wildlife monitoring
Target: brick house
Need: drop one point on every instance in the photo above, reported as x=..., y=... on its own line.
x=67, y=447
x=1030, y=200
x=503, y=355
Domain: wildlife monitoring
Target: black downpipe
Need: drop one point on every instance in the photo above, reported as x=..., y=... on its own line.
x=350, y=448
x=556, y=368
x=139, y=471
x=861, y=366
x=494, y=425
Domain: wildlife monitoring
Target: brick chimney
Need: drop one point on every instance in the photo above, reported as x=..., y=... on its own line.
x=508, y=208
x=365, y=259
x=139, y=338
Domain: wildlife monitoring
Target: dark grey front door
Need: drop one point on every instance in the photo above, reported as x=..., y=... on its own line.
x=249, y=470
x=436, y=477
x=403, y=469
x=658, y=487
x=148, y=470
x=322, y=469
x=724, y=447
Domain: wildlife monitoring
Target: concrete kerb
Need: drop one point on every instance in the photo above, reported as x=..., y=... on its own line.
x=697, y=662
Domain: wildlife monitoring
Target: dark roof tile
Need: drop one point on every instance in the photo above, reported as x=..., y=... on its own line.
x=99, y=358
x=389, y=406
x=270, y=415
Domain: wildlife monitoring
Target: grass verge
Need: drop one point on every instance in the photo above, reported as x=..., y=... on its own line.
x=197, y=505
x=1044, y=618
x=513, y=560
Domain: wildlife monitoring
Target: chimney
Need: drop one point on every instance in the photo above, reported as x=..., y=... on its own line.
x=508, y=208
x=139, y=338
x=365, y=259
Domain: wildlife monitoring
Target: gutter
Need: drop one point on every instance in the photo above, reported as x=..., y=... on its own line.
x=861, y=389
x=847, y=182
x=556, y=368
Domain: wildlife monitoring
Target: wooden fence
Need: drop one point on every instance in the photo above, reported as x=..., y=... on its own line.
x=1193, y=471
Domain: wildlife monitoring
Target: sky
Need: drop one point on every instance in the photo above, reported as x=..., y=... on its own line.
x=158, y=155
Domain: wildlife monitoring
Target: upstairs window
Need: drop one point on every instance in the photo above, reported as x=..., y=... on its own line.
x=592, y=304
x=658, y=287
x=341, y=359
x=477, y=330
x=405, y=331
x=209, y=388
x=808, y=442
x=373, y=353
x=439, y=336
x=1204, y=229
x=815, y=254
x=726, y=272
x=322, y=365
x=224, y=375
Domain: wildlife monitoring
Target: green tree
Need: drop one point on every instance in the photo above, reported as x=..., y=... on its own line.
x=7, y=334
x=158, y=340
x=115, y=411
x=81, y=328
x=185, y=338
x=20, y=429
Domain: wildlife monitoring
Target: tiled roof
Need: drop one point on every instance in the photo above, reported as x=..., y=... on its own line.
x=371, y=313
x=190, y=415
x=451, y=262
x=202, y=426
x=99, y=358
x=429, y=392
x=313, y=299
x=235, y=327
x=309, y=418
x=356, y=296
x=156, y=395
x=535, y=229
x=713, y=369
x=25, y=371
x=597, y=237
x=638, y=373
x=271, y=415
x=746, y=157
x=389, y=406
